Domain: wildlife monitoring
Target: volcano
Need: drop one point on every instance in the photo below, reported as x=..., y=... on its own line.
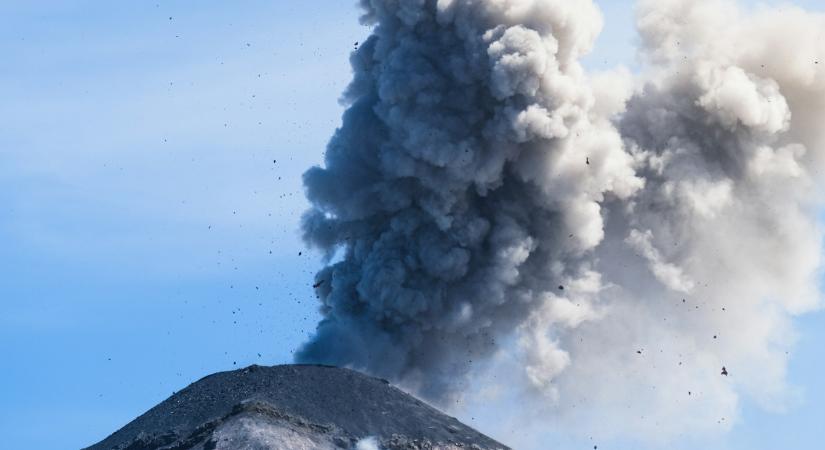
x=294, y=407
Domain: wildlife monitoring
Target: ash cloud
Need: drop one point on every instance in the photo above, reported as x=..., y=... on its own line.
x=489, y=204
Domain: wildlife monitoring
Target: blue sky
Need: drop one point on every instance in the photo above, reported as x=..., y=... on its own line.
x=150, y=163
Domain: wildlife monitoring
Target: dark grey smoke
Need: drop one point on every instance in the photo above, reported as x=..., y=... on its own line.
x=486, y=202
x=438, y=187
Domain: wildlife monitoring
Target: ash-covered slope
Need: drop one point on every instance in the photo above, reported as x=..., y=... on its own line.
x=293, y=407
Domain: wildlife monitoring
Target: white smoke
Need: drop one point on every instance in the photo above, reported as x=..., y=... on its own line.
x=611, y=242
x=368, y=443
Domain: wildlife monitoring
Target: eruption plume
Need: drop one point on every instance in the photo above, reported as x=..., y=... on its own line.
x=488, y=202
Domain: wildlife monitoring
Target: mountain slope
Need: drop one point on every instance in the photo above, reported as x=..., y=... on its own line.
x=293, y=407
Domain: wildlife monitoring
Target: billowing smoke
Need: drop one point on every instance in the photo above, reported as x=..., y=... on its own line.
x=613, y=240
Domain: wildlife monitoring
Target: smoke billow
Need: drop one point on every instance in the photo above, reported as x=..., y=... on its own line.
x=613, y=241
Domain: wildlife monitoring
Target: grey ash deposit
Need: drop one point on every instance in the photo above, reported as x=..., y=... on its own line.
x=293, y=407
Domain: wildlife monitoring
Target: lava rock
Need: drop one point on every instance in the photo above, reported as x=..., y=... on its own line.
x=294, y=407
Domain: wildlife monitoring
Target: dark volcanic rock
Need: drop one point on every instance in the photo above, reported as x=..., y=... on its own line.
x=293, y=407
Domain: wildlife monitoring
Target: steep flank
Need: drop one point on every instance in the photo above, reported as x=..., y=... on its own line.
x=295, y=407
